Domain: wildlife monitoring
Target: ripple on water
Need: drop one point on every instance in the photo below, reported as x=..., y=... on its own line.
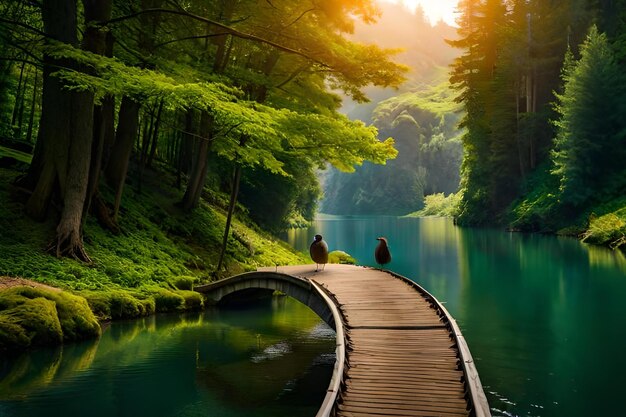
x=272, y=352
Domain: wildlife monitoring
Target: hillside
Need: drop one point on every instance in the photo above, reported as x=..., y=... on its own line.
x=150, y=266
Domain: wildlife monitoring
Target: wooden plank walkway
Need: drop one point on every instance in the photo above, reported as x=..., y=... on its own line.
x=402, y=357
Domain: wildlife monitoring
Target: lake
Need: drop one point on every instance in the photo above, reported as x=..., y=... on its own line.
x=543, y=315
x=272, y=359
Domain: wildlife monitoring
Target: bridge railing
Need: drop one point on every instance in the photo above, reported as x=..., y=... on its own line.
x=334, y=388
x=476, y=392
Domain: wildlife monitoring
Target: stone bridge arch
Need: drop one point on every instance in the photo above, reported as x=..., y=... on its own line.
x=299, y=288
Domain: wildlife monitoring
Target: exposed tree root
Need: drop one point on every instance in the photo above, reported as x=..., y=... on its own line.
x=70, y=245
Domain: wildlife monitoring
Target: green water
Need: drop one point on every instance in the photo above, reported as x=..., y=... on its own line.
x=274, y=359
x=543, y=316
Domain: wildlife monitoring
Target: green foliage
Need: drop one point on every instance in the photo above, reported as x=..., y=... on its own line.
x=77, y=320
x=117, y=304
x=608, y=226
x=184, y=282
x=12, y=153
x=512, y=56
x=423, y=125
x=589, y=148
x=439, y=205
x=340, y=257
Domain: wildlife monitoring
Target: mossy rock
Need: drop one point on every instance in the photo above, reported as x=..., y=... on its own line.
x=340, y=257
x=40, y=317
x=115, y=304
x=147, y=305
x=166, y=300
x=77, y=320
x=30, y=322
x=193, y=300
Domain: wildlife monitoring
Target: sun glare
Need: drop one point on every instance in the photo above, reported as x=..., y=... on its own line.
x=435, y=10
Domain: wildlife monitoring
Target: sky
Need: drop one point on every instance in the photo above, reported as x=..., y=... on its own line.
x=435, y=9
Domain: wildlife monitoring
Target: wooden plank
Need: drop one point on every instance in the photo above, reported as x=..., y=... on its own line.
x=401, y=357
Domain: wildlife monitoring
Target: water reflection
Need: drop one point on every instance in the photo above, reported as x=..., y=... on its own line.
x=270, y=360
x=542, y=314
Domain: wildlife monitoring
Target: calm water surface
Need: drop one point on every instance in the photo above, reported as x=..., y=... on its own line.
x=274, y=359
x=543, y=316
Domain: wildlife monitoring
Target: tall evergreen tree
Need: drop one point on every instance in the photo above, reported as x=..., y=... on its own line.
x=590, y=147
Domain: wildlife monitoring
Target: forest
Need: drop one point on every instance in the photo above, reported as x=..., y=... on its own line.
x=233, y=91
x=148, y=144
x=421, y=116
x=543, y=92
x=538, y=129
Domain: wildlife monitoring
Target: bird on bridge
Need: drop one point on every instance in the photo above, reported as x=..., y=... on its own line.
x=319, y=252
x=382, y=254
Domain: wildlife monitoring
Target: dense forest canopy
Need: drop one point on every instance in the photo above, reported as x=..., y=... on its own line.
x=221, y=92
x=245, y=97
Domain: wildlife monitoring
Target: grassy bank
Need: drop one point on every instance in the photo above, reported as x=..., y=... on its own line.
x=151, y=266
x=604, y=224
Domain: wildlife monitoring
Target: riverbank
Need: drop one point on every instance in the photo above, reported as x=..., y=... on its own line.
x=150, y=266
x=604, y=224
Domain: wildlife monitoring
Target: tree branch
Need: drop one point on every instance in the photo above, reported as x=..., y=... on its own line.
x=191, y=37
x=227, y=29
x=25, y=26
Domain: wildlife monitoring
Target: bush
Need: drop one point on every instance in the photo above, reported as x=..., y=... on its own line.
x=609, y=229
x=439, y=205
x=183, y=282
x=340, y=257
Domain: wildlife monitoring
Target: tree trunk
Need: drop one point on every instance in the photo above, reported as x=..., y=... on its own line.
x=69, y=230
x=33, y=103
x=185, y=149
x=197, y=177
x=18, y=94
x=128, y=122
x=155, y=135
x=231, y=207
x=20, y=112
x=50, y=158
x=66, y=135
x=229, y=217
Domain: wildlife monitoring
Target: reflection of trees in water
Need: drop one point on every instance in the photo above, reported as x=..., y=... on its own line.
x=166, y=358
x=21, y=375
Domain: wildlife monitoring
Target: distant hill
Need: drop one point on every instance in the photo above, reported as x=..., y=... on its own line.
x=424, y=50
x=421, y=116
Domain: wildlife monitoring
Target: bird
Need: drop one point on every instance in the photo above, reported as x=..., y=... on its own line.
x=319, y=252
x=382, y=254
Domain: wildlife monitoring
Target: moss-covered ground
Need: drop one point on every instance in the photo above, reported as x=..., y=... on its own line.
x=151, y=266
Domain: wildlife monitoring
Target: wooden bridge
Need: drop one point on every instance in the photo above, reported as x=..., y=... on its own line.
x=399, y=352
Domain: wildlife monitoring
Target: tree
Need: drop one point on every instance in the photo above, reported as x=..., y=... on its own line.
x=590, y=144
